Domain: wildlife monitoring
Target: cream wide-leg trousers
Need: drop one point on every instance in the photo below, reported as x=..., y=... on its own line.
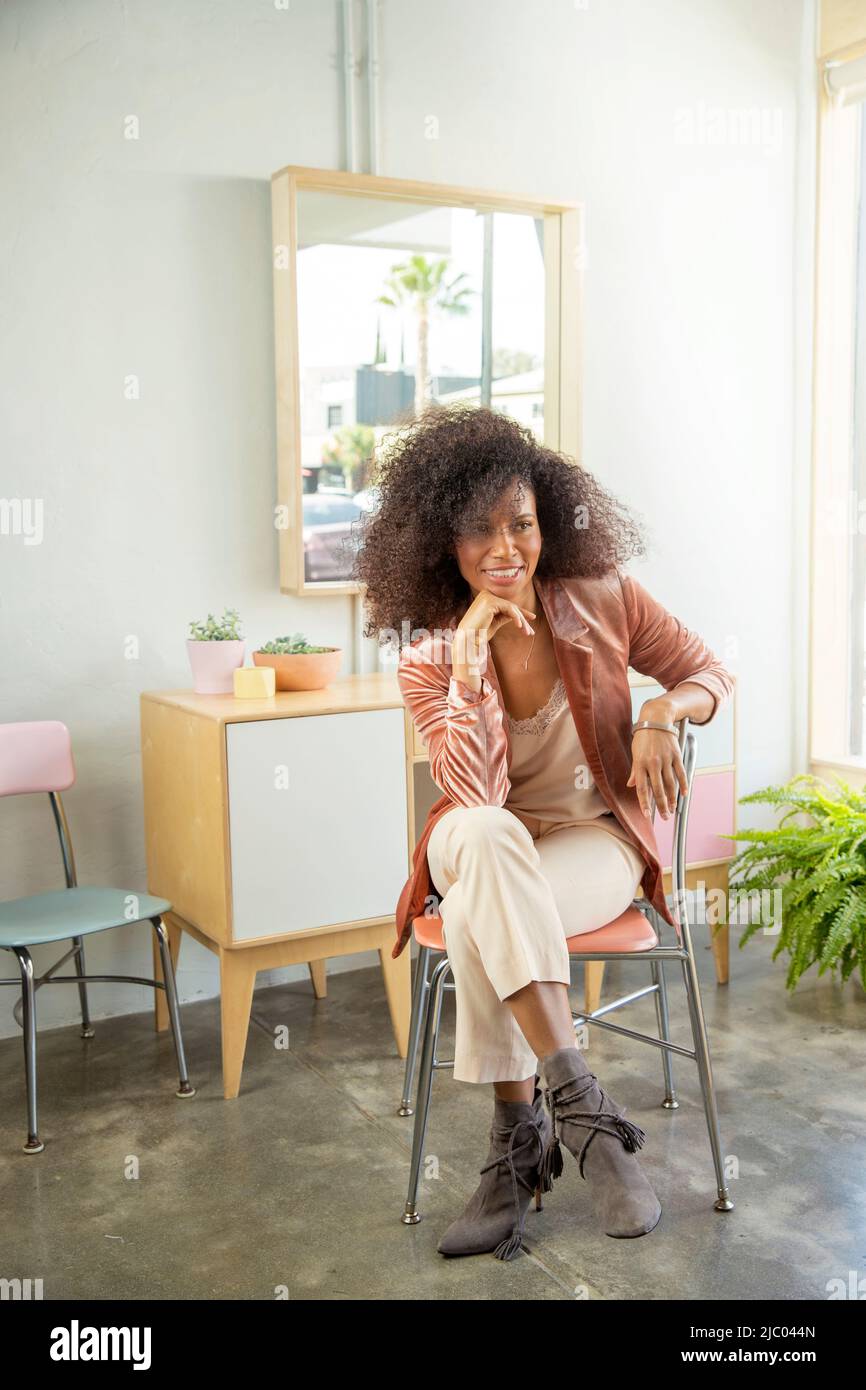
x=511, y=892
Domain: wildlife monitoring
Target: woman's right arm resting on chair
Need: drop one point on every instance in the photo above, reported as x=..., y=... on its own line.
x=462, y=729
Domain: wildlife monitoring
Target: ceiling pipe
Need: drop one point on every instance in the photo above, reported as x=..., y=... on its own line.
x=372, y=7
x=348, y=85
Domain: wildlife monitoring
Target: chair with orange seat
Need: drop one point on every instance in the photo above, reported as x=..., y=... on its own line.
x=634, y=935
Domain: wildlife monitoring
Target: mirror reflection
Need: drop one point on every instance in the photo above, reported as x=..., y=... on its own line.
x=402, y=304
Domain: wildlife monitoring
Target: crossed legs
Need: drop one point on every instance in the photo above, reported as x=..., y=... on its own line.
x=509, y=900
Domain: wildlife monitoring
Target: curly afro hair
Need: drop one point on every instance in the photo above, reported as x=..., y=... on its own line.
x=443, y=475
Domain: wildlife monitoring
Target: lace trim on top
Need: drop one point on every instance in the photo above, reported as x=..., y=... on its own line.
x=538, y=722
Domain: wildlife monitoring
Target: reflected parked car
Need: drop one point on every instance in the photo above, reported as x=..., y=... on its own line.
x=328, y=535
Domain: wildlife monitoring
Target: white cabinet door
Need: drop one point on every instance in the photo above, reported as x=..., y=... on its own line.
x=317, y=820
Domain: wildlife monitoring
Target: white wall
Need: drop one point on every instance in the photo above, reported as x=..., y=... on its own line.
x=152, y=257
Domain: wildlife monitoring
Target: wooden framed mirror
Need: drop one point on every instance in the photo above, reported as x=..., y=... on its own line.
x=389, y=294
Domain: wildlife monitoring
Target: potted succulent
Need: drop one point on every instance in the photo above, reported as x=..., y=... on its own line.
x=299, y=666
x=215, y=650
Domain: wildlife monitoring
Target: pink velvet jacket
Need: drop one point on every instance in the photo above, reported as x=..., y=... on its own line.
x=600, y=627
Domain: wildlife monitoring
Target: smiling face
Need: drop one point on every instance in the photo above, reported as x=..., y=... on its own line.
x=501, y=553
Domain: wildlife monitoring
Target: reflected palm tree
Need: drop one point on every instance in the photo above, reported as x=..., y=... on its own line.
x=420, y=285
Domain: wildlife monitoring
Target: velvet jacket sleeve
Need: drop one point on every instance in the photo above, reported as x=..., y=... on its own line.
x=462, y=730
x=662, y=647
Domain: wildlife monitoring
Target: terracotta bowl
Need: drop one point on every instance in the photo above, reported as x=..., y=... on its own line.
x=302, y=670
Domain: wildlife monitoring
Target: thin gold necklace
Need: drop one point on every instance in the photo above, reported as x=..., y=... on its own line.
x=532, y=643
x=529, y=653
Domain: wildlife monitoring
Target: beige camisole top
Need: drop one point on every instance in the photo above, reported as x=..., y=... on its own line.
x=550, y=778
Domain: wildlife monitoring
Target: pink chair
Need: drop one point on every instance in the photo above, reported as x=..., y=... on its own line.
x=37, y=757
x=634, y=935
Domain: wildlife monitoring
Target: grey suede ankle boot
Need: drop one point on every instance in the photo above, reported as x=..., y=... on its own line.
x=607, y=1157
x=494, y=1216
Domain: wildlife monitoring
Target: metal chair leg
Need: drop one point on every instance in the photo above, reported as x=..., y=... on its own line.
x=419, y=988
x=34, y=1144
x=81, y=969
x=184, y=1089
x=432, y=1014
x=702, y=1056
x=670, y=1101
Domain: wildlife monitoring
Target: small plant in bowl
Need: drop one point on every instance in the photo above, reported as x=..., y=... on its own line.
x=299, y=665
x=215, y=649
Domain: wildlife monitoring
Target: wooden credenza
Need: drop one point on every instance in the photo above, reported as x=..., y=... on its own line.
x=281, y=831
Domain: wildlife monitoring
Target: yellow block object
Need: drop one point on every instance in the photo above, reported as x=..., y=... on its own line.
x=255, y=682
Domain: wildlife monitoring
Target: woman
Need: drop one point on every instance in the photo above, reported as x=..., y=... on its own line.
x=544, y=829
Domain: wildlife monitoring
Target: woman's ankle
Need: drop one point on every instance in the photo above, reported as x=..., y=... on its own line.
x=564, y=1050
x=515, y=1090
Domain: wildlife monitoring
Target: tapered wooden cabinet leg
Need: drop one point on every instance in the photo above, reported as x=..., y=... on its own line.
x=397, y=975
x=319, y=978
x=237, y=982
x=717, y=922
x=592, y=982
x=160, y=1006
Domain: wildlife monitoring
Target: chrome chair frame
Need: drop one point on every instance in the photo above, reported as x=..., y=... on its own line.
x=429, y=987
x=24, y=1010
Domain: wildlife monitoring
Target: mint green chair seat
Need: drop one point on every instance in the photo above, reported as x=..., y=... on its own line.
x=70, y=912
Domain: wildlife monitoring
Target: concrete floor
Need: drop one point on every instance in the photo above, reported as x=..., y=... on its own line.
x=300, y=1182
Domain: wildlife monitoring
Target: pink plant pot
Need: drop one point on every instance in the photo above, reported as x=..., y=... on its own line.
x=302, y=670
x=213, y=665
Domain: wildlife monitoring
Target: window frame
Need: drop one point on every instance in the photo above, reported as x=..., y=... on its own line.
x=834, y=520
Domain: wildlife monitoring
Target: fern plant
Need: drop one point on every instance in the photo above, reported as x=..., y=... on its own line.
x=820, y=870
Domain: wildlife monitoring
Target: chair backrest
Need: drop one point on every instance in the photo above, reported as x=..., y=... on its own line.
x=37, y=757
x=689, y=754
